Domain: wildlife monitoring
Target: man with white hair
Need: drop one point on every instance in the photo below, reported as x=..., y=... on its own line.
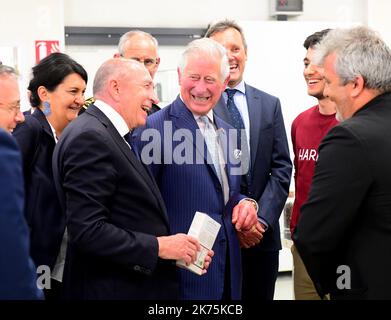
x=208, y=185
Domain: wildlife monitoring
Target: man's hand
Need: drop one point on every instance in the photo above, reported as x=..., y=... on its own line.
x=251, y=237
x=208, y=260
x=182, y=247
x=179, y=246
x=244, y=216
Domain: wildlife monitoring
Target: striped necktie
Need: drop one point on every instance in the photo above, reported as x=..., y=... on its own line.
x=210, y=137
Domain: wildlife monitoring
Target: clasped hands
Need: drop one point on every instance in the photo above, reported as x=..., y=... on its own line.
x=249, y=230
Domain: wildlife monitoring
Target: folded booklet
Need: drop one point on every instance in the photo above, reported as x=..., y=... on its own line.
x=205, y=230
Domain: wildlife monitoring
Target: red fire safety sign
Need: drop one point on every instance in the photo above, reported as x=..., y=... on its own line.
x=45, y=47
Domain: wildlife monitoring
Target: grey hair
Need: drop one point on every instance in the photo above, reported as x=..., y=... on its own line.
x=206, y=47
x=130, y=34
x=359, y=51
x=223, y=25
x=112, y=68
x=6, y=70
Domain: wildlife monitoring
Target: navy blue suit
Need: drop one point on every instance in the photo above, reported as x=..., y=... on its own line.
x=268, y=183
x=187, y=188
x=17, y=271
x=42, y=207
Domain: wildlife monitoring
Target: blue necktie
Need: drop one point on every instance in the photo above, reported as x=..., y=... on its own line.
x=236, y=118
x=238, y=124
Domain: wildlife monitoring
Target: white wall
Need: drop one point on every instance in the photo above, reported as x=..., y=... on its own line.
x=22, y=22
x=158, y=13
x=379, y=18
x=189, y=13
x=334, y=10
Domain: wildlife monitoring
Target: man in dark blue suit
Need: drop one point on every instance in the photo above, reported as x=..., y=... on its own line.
x=189, y=180
x=268, y=179
x=17, y=271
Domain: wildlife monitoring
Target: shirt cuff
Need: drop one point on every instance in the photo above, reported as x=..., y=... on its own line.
x=264, y=223
x=255, y=204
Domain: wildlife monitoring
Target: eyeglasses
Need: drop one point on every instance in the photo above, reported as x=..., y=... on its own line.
x=149, y=62
x=15, y=107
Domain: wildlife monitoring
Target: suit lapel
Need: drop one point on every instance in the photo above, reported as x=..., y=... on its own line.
x=139, y=168
x=254, y=112
x=221, y=110
x=182, y=118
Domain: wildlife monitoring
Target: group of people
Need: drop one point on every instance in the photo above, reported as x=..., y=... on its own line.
x=96, y=197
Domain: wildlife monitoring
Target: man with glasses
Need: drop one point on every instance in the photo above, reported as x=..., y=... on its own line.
x=142, y=47
x=17, y=275
x=10, y=114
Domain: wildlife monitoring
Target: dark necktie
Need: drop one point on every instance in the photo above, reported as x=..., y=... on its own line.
x=236, y=118
x=129, y=139
x=238, y=124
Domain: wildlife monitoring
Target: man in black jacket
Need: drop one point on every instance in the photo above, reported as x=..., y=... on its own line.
x=344, y=232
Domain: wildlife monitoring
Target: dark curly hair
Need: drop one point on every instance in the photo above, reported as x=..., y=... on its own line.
x=315, y=38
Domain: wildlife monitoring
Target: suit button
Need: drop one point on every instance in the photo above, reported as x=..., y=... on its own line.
x=136, y=268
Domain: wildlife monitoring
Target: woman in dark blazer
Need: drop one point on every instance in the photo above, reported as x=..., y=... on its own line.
x=56, y=94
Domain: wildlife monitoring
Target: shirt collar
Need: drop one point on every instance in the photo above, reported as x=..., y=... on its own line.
x=115, y=118
x=54, y=132
x=196, y=117
x=240, y=87
x=209, y=115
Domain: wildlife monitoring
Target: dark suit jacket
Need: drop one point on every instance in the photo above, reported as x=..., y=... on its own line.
x=42, y=207
x=347, y=219
x=17, y=271
x=154, y=108
x=114, y=213
x=187, y=188
x=271, y=166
